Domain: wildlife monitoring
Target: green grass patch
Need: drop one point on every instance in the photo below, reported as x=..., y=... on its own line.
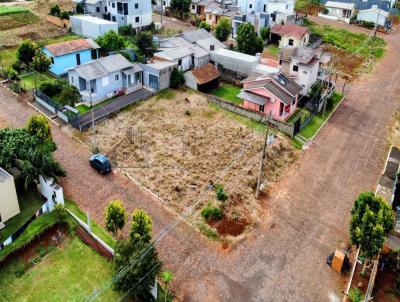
x=208, y=231
x=168, y=94
x=228, y=92
x=13, y=20
x=63, y=38
x=297, y=143
x=303, y=113
x=316, y=123
x=10, y=10
x=98, y=230
x=29, y=203
x=355, y=43
x=272, y=49
x=69, y=273
x=35, y=78
x=82, y=108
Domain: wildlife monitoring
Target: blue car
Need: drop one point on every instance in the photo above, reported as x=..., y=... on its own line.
x=101, y=163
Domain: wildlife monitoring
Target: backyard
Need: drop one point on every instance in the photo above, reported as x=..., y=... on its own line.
x=69, y=272
x=228, y=92
x=178, y=144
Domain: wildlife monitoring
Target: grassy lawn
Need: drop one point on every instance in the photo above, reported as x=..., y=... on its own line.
x=69, y=273
x=228, y=92
x=355, y=43
x=300, y=112
x=29, y=203
x=272, y=49
x=28, y=81
x=316, y=123
x=99, y=231
x=14, y=16
x=82, y=108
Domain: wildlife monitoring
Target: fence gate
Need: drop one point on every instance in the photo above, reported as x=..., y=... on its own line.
x=297, y=125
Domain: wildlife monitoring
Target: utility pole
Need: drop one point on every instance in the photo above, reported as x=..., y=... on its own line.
x=375, y=28
x=263, y=156
x=91, y=111
x=162, y=12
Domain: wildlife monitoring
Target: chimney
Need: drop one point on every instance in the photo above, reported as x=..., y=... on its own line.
x=212, y=47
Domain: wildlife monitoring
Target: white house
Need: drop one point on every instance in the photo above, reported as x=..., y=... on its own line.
x=137, y=13
x=338, y=11
x=157, y=74
x=9, y=206
x=91, y=27
x=374, y=15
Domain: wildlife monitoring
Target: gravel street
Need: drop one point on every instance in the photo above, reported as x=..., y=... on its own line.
x=306, y=213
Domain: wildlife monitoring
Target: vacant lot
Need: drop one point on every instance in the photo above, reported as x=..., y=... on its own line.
x=175, y=144
x=69, y=273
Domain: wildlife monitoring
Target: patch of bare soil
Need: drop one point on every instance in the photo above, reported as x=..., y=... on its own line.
x=176, y=147
x=394, y=134
x=228, y=226
x=347, y=65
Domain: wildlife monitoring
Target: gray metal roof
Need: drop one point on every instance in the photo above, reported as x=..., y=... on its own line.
x=252, y=97
x=102, y=67
x=279, y=92
x=4, y=175
x=202, y=38
x=175, y=53
x=159, y=65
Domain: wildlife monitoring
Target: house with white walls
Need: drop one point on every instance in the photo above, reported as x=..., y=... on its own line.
x=338, y=11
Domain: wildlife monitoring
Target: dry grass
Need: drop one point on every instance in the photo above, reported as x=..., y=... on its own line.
x=176, y=147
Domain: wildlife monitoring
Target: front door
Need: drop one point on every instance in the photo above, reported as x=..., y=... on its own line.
x=153, y=81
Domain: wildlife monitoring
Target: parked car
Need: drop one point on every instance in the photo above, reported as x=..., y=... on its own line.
x=101, y=163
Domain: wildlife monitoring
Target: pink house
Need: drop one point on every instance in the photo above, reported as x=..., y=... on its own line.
x=277, y=94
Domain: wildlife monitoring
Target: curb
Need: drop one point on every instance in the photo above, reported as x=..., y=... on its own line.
x=323, y=124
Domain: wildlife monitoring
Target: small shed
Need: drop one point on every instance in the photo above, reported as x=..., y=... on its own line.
x=204, y=78
x=157, y=74
x=339, y=11
x=374, y=15
x=91, y=27
x=9, y=206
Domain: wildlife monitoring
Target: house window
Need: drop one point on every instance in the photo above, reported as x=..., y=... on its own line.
x=265, y=8
x=113, y=5
x=261, y=108
x=164, y=3
x=94, y=54
x=280, y=62
x=209, y=17
x=119, y=7
x=52, y=60
x=116, y=77
x=179, y=62
x=281, y=108
x=108, y=3
x=295, y=68
x=193, y=6
x=136, y=5
x=125, y=9
x=114, y=19
x=305, y=71
x=78, y=59
x=291, y=42
x=72, y=80
x=97, y=9
x=105, y=8
x=250, y=5
x=137, y=19
x=294, y=101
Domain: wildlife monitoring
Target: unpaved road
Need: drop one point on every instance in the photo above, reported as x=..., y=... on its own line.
x=308, y=211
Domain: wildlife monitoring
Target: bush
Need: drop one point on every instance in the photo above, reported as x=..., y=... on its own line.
x=223, y=29
x=60, y=212
x=65, y=15
x=396, y=288
x=210, y=212
x=79, y=9
x=264, y=33
x=40, y=61
x=205, y=25
x=18, y=66
x=16, y=87
x=11, y=74
x=19, y=269
x=220, y=193
x=355, y=295
x=55, y=10
x=177, y=79
x=126, y=30
x=69, y=95
x=26, y=51
x=51, y=89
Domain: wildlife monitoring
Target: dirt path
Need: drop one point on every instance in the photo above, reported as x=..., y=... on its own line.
x=284, y=259
x=341, y=25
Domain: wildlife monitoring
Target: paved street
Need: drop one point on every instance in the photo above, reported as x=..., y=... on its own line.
x=306, y=213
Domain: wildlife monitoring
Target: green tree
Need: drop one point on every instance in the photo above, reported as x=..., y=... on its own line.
x=144, y=42
x=40, y=62
x=181, y=6
x=264, y=33
x=115, y=216
x=69, y=95
x=79, y=9
x=26, y=51
x=223, y=29
x=111, y=41
x=205, y=25
x=39, y=126
x=55, y=10
x=247, y=40
x=137, y=249
x=371, y=220
x=167, y=278
x=177, y=79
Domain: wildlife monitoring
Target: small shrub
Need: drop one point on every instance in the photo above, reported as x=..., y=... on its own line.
x=19, y=269
x=396, y=288
x=41, y=251
x=177, y=79
x=15, y=87
x=126, y=30
x=210, y=212
x=188, y=113
x=55, y=10
x=220, y=192
x=355, y=295
x=205, y=25
x=207, y=231
x=60, y=212
x=79, y=9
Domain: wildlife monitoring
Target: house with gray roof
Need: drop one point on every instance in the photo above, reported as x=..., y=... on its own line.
x=276, y=93
x=106, y=77
x=157, y=74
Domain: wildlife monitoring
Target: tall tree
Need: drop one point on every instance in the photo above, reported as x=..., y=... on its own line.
x=140, y=253
x=115, y=216
x=371, y=220
x=223, y=29
x=39, y=126
x=145, y=44
x=26, y=51
x=181, y=6
x=111, y=41
x=247, y=40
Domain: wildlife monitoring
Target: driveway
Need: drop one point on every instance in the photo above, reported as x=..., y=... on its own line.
x=306, y=213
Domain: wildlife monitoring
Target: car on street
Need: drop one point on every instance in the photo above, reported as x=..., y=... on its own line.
x=101, y=163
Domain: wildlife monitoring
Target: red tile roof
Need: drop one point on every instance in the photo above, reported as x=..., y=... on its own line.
x=205, y=74
x=63, y=48
x=289, y=29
